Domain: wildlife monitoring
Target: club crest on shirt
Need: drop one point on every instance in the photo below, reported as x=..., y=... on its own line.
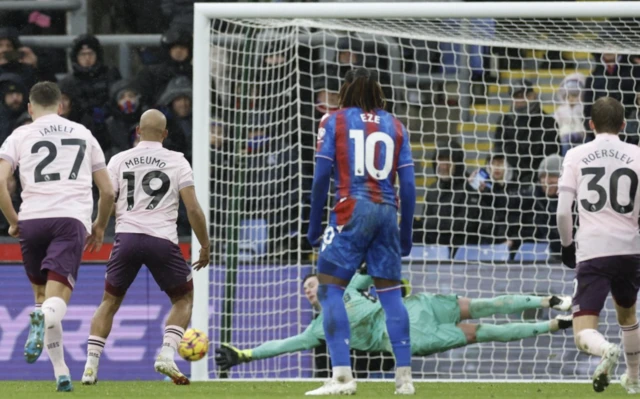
x=321, y=133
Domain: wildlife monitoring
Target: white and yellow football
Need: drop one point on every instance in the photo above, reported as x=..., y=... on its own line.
x=194, y=345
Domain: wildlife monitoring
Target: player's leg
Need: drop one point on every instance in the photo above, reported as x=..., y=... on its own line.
x=624, y=289
x=384, y=264
x=122, y=269
x=507, y=304
x=341, y=253
x=591, y=287
x=173, y=275
x=62, y=262
x=477, y=333
x=33, y=244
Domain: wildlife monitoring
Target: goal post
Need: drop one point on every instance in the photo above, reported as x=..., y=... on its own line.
x=265, y=72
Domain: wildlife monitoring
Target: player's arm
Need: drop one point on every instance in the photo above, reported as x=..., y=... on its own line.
x=325, y=156
x=6, y=205
x=406, y=174
x=228, y=356
x=564, y=214
x=198, y=223
x=102, y=180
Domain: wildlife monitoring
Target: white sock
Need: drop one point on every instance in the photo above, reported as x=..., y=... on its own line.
x=403, y=375
x=172, y=337
x=591, y=342
x=95, y=346
x=631, y=343
x=38, y=307
x=342, y=374
x=54, y=310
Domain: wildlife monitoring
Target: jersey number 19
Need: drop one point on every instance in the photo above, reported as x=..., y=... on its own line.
x=157, y=194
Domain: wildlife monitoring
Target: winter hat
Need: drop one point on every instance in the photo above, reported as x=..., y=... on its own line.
x=11, y=34
x=11, y=83
x=551, y=165
x=86, y=40
x=179, y=86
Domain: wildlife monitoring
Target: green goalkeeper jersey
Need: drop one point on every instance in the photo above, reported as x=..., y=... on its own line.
x=368, y=326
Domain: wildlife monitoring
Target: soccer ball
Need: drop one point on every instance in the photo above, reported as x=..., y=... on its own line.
x=194, y=345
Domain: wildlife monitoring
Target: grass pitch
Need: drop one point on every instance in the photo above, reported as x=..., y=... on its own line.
x=283, y=390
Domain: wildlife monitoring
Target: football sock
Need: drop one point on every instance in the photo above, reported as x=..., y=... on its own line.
x=397, y=324
x=510, y=332
x=631, y=343
x=170, y=341
x=95, y=346
x=591, y=342
x=38, y=307
x=54, y=310
x=505, y=304
x=336, y=328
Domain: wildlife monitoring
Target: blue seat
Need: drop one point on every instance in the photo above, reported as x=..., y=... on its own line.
x=533, y=252
x=253, y=238
x=483, y=253
x=429, y=253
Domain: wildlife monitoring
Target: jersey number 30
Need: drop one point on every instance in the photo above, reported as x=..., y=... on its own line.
x=592, y=185
x=364, y=153
x=157, y=193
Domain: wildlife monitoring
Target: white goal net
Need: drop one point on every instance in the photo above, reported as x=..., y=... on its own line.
x=491, y=105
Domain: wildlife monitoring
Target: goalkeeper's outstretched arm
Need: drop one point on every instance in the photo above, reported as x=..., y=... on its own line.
x=228, y=356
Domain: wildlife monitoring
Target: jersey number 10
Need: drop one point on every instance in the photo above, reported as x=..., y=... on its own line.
x=365, y=150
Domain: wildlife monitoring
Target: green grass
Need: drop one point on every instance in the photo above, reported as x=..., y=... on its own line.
x=283, y=390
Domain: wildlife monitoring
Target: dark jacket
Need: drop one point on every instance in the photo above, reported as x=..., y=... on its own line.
x=92, y=83
x=451, y=212
x=180, y=129
x=497, y=208
x=526, y=139
x=537, y=220
x=81, y=116
x=8, y=117
x=121, y=127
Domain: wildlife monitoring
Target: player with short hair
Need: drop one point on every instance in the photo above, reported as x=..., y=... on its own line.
x=149, y=181
x=434, y=319
x=57, y=159
x=602, y=177
x=365, y=147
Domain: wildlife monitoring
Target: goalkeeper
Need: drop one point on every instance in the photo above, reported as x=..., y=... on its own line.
x=434, y=319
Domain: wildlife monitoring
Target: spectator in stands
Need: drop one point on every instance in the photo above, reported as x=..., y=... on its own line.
x=14, y=103
x=72, y=110
x=451, y=212
x=16, y=59
x=538, y=205
x=631, y=132
x=91, y=78
x=125, y=110
x=614, y=76
x=497, y=190
x=527, y=134
x=569, y=114
x=154, y=79
x=271, y=182
x=176, y=104
x=179, y=13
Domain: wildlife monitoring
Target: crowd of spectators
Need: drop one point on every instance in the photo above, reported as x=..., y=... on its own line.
x=279, y=104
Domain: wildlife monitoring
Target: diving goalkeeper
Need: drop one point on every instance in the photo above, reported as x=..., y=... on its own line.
x=434, y=320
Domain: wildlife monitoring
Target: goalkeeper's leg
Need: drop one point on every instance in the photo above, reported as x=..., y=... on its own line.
x=475, y=333
x=100, y=329
x=508, y=304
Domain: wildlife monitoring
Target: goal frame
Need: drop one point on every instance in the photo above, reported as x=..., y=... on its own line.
x=205, y=12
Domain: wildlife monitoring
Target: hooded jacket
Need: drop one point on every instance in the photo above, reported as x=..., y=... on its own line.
x=154, y=79
x=451, y=212
x=10, y=82
x=121, y=126
x=180, y=129
x=92, y=83
x=27, y=73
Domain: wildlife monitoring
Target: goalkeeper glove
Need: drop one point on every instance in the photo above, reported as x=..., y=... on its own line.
x=569, y=255
x=228, y=356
